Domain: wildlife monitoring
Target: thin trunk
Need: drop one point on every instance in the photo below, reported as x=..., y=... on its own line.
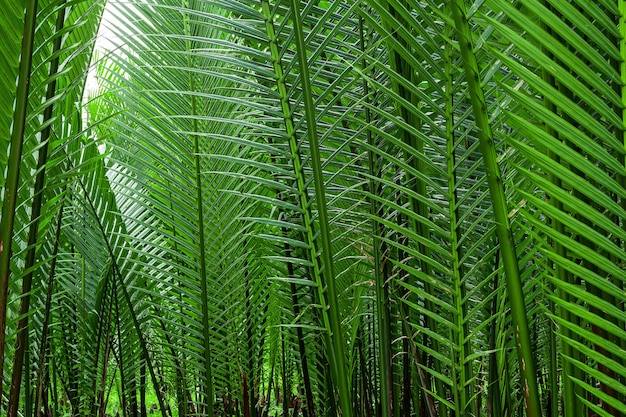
x=270, y=385
x=285, y=376
x=180, y=381
x=28, y=391
x=100, y=403
x=246, y=396
x=250, y=317
x=514, y=287
x=45, y=403
x=622, y=138
x=309, y=407
x=571, y=392
x=257, y=385
x=381, y=264
x=54, y=395
x=400, y=66
x=71, y=364
x=552, y=409
x=143, y=411
x=104, y=304
x=464, y=386
x=207, y=386
x=11, y=187
x=429, y=404
x=33, y=232
x=183, y=396
x=367, y=380
x=43, y=371
x=494, y=393
x=324, y=266
x=406, y=378
x=418, y=408
x=121, y=384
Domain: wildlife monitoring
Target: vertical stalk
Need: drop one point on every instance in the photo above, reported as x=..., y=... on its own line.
x=379, y=253
x=246, y=396
x=33, y=232
x=494, y=392
x=101, y=306
x=464, y=386
x=70, y=330
x=383, y=320
x=273, y=379
x=429, y=403
x=42, y=386
x=285, y=376
x=365, y=397
x=208, y=390
x=400, y=66
x=309, y=408
x=322, y=269
x=249, y=336
x=503, y=228
x=405, y=409
x=143, y=412
x=100, y=403
x=121, y=383
x=622, y=48
x=13, y=169
x=571, y=403
x=339, y=369
x=182, y=394
x=28, y=391
x=55, y=387
x=180, y=381
x=562, y=275
x=418, y=406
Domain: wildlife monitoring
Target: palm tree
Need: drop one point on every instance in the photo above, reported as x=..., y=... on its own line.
x=355, y=208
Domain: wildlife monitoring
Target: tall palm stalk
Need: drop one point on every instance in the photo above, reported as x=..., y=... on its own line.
x=10, y=195
x=22, y=330
x=501, y=213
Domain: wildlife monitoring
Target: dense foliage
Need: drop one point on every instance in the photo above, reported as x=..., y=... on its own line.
x=333, y=208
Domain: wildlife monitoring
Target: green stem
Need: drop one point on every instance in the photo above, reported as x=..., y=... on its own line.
x=462, y=381
x=100, y=404
x=13, y=169
x=325, y=283
x=250, y=325
x=503, y=228
x=309, y=407
x=406, y=71
x=285, y=377
x=622, y=48
x=561, y=275
x=383, y=319
x=339, y=369
x=42, y=372
x=122, y=390
x=494, y=392
x=204, y=298
x=33, y=232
